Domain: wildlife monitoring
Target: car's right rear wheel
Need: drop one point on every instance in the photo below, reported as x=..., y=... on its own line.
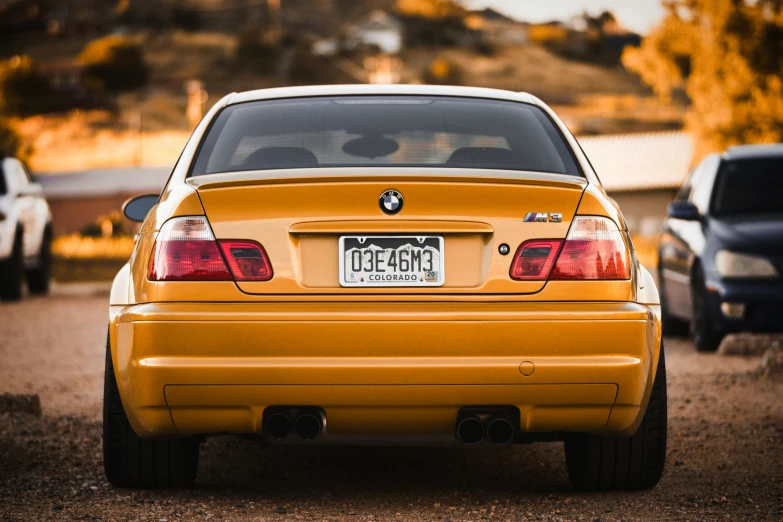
x=623, y=463
x=132, y=462
x=11, y=271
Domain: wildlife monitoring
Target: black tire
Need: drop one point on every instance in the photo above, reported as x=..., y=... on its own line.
x=672, y=326
x=38, y=278
x=705, y=336
x=132, y=462
x=627, y=463
x=11, y=271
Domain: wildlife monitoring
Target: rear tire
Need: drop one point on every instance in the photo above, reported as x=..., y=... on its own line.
x=38, y=279
x=636, y=462
x=132, y=462
x=705, y=336
x=11, y=271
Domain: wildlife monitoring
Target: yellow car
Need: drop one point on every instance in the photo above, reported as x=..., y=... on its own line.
x=402, y=265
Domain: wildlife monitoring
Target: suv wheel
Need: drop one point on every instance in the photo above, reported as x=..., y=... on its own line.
x=38, y=278
x=129, y=460
x=11, y=271
x=635, y=462
x=705, y=336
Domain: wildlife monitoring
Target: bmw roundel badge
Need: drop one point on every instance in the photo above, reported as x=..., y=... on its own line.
x=391, y=202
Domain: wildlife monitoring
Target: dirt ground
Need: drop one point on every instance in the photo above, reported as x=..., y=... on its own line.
x=725, y=457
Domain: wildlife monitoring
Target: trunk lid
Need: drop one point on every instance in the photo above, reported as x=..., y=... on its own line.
x=299, y=215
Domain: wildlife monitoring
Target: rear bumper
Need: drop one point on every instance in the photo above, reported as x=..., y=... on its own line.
x=395, y=369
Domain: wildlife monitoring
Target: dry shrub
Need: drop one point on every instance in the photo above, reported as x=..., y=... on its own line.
x=115, y=63
x=24, y=89
x=76, y=246
x=443, y=72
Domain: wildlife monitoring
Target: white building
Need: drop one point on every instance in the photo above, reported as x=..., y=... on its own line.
x=642, y=172
x=379, y=29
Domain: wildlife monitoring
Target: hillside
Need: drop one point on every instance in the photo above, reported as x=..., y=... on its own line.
x=150, y=126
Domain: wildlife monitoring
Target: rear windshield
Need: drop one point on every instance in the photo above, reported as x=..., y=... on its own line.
x=751, y=186
x=384, y=131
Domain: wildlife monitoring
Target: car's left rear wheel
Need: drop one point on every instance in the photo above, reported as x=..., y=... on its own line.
x=133, y=462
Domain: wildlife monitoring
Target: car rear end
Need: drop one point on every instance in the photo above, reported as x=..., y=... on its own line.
x=444, y=273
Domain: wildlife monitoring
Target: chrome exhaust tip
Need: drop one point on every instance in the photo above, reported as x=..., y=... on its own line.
x=499, y=431
x=470, y=430
x=309, y=425
x=278, y=425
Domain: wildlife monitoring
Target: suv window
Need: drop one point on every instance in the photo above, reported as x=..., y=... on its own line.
x=702, y=186
x=384, y=131
x=749, y=186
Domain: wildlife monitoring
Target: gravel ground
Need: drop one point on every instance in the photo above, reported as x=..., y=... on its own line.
x=725, y=451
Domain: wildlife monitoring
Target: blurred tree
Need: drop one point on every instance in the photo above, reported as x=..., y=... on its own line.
x=24, y=89
x=443, y=72
x=727, y=56
x=429, y=8
x=257, y=50
x=11, y=143
x=115, y=63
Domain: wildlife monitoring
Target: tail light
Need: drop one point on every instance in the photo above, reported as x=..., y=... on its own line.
x=534, y=259
x=593, y=250
x=247, y=260
x=186, y=250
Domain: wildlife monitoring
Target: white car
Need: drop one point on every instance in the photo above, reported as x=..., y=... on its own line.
x=25, y=232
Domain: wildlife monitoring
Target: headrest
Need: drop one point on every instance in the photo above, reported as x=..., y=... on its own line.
x=484, y=157
x=280, y=158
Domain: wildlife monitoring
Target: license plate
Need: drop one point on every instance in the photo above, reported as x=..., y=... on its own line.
x=391, y=261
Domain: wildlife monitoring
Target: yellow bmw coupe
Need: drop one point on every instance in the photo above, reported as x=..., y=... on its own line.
x=401, y=265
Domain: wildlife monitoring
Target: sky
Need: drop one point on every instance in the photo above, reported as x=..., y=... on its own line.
x=637, y=15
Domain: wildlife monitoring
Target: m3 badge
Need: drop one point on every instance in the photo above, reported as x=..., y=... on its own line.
x=543, y=217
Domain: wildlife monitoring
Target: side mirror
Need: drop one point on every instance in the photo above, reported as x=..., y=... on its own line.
x=684, y=210
x=136, y=209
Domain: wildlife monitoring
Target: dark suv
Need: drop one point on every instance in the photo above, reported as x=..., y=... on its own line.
x=721, y=254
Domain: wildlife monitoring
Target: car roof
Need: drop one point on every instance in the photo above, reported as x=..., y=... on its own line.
x=363, y=89
x=741, y=152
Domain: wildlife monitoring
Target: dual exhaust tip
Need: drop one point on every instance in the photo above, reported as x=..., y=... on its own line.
x=497, y=429
x=307, y=424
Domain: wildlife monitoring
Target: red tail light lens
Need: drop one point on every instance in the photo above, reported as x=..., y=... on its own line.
x=186, y=250
x=534, y=260
x=247, y=260
x=594, y=250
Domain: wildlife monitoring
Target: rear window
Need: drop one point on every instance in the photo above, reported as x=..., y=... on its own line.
x=384, y=131
x=751, y=186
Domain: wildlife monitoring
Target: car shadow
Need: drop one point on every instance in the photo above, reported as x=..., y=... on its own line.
x=293, y=471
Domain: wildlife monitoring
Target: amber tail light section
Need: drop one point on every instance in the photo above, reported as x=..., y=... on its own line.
x=594, y=250
x=186, y=250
